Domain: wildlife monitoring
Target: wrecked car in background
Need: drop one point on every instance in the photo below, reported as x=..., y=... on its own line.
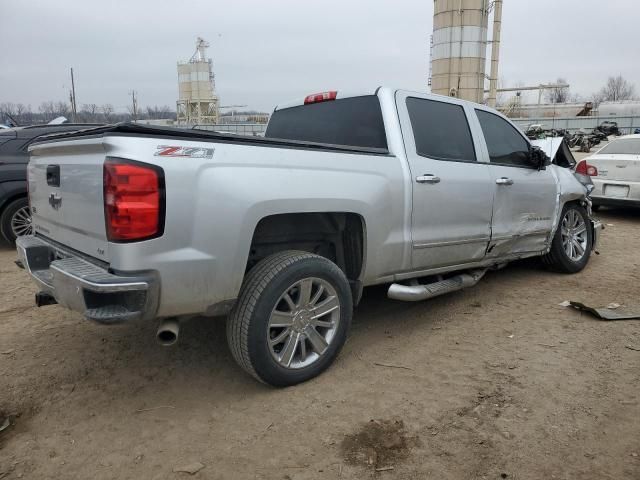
x=281, y=234
x=615, y=171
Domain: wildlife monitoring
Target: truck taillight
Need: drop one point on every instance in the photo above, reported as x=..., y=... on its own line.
x=585, y=169
x=133, y=200
x=320, y=97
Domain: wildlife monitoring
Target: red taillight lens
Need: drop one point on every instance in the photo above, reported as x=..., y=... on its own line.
x=133, y=201
x=320, y=97
x=585, y=169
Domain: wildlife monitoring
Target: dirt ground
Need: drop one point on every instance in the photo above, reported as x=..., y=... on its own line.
x=499, y=381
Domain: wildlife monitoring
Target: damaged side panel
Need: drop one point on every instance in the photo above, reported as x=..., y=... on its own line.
x=570, y=190
x=524, y=212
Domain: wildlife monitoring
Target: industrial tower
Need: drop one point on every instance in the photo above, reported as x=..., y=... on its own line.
x=458, y=48
x=197, y=100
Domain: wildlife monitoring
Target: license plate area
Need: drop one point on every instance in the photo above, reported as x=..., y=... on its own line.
x=621, y=191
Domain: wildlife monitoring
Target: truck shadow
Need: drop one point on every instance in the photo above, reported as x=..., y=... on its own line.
x=125, y=365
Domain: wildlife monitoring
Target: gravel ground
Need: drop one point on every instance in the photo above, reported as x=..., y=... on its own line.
x=499, y=381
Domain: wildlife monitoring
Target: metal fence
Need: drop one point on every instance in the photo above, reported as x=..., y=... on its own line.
x=254, y=129
x=625, y=124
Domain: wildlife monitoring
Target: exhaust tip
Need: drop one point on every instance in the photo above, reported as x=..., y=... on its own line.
x=168, y=332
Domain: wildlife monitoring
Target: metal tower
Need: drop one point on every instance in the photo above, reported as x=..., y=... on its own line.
x=197, y=100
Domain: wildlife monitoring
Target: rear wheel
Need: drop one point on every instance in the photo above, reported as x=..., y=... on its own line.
x=572, y=243
x=291, y=318
x=16, y=220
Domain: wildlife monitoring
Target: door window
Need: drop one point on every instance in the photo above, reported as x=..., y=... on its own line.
x=506, y=146
x=440, y=130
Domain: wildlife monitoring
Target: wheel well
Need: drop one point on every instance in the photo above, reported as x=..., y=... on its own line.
x=338, y=236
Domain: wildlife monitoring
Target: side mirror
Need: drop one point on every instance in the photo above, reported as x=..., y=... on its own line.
x=538, y=158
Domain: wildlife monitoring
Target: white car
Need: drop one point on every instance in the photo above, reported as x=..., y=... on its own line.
x=615, y=172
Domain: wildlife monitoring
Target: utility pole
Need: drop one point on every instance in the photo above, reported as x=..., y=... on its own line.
x=495, y=53
x=73, y=98
x=134, y=102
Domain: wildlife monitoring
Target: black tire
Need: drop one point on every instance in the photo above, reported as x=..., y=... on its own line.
x=557, y=259
x=8, y=216
x=264, y=285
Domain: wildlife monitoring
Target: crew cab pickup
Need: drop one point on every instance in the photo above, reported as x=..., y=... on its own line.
x=280, y=234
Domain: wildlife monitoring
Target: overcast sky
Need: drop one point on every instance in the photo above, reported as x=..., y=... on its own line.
x=265, y=52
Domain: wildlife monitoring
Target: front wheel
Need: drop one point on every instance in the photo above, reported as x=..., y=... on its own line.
x=291, y=318
x=572, y=242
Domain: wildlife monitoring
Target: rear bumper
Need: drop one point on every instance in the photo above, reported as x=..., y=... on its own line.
x=85, y=287
x=615, y=201
x=628, y=194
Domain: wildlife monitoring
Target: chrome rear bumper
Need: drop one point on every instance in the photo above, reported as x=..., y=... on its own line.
x=85, y=287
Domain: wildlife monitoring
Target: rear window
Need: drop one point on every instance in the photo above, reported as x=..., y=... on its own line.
x=355, y=121
x=624, y=146
x=440, y=130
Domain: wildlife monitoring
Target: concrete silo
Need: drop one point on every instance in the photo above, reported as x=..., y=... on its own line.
x=197, y=100
x=458, y=54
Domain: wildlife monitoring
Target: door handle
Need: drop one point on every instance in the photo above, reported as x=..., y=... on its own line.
x=504, y=181
x=53, y=175
x=428, y=178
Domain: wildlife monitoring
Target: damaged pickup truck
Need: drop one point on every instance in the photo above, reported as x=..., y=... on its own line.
x=280, y=234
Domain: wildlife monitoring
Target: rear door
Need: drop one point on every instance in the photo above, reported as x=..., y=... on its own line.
x=451, y=189
x=525, y=197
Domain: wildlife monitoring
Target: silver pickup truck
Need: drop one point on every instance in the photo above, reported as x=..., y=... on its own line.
x=280, y=234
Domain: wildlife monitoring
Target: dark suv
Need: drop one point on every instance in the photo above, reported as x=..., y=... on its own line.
x=15, y=217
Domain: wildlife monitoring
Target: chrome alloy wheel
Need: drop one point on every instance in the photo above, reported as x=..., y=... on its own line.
x=574, y=235
x=303, y=323
x=21, y=222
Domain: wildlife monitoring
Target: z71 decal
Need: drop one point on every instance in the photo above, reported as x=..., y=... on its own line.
x=186, y=152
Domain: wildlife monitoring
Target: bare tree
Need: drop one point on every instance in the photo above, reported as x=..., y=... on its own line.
x=89, y=113
x=8, y=108
x=107, y=111
x=63, y=109
x=48, y=111
x=156, y=112
x=616, y=89
x=558, y=95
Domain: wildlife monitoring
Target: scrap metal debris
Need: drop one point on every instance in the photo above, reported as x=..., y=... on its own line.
x=604, y=313
x=389, y=365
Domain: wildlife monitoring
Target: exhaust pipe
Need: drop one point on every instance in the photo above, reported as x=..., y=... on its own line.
x=168, y=332
x=416, y=293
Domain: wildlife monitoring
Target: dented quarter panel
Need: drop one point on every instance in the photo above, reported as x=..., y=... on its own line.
x=570, y=190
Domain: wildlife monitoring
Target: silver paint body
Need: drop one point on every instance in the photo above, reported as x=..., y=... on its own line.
x=412, y=228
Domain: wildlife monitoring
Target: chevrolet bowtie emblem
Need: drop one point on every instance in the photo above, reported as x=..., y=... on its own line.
x=55, y=200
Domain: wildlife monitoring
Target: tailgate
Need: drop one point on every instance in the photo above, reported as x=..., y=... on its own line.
x=66, y=194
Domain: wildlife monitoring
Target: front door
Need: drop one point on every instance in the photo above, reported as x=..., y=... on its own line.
x=452, y=190
x=525, y=199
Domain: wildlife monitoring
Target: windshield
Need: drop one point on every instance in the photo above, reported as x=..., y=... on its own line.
x=625, y=146
x=354, y=121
